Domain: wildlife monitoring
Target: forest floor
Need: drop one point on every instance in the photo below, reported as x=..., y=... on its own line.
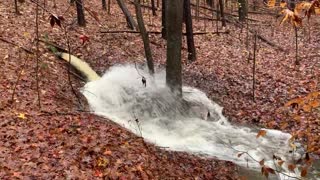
x=60, y=141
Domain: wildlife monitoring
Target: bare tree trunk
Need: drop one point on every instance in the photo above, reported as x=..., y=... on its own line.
x=255, y=4
x=104, y=5
x=44, y=5
x=174, y=14
x=109, y=6
x=153, y=7
x=189, y=31
x=16, y=7
x=218, y=18
x=197, y=9
x=223, y=19
x=130, y=21
x=243, y=11
x=80, y=13
x=54, y=4
x=144, y=35
x=291, y=4
x=210, y=3
x=163, y=20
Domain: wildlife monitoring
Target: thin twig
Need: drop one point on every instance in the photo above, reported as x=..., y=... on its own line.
x=37, y=54
x=247, y=153
x=14, y=44
x=296, y=36
x=158, y=32
x=69, y=66
x=254, y=67
x=18, y=78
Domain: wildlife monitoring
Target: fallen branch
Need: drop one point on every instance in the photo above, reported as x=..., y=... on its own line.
x=78, y=76
x=205, y=18
x=58, y=47
x=145, y=6
x=227, y=14
x=14, y=44
x=159, y=32
x=263, y=13
x=263, y=39
x=310, y=56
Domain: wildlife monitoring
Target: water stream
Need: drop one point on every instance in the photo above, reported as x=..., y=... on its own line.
x=194, y=124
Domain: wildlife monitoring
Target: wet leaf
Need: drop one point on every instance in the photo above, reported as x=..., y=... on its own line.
x=304, y=172
x=98, y=173
x=291, y=167
x=261, y=162
x=107, y=152
x=83, y=38
x=261, y=133
x=280, y=162
x=240, y=154
x=270, y=170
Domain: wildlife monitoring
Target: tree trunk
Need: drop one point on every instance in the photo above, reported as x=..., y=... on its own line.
x=210, y=3
x=163, y=20
x=197, y=10
x=16, y=7
x=104, y=5
x=130, y=21
x=109, y=6
x=144, y=35
x=153, y=7
x=291, y=4
x=189, y=31
x=174, y=14
x=80, y=13
x=223, y=19
x=54, y=4
x=243, y=11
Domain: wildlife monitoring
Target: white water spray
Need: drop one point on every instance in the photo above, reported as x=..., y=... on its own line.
x=194, y=125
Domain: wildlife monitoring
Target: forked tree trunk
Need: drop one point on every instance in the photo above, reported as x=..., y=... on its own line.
x=174, y=14
x=144, y=35
x=189, y=31
x=80, y=13
x=130, y=21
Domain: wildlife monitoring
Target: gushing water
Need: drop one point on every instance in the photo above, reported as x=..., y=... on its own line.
x=194, y=124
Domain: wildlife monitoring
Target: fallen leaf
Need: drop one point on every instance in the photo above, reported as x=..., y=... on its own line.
x=22, y=116
x=261, y=133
